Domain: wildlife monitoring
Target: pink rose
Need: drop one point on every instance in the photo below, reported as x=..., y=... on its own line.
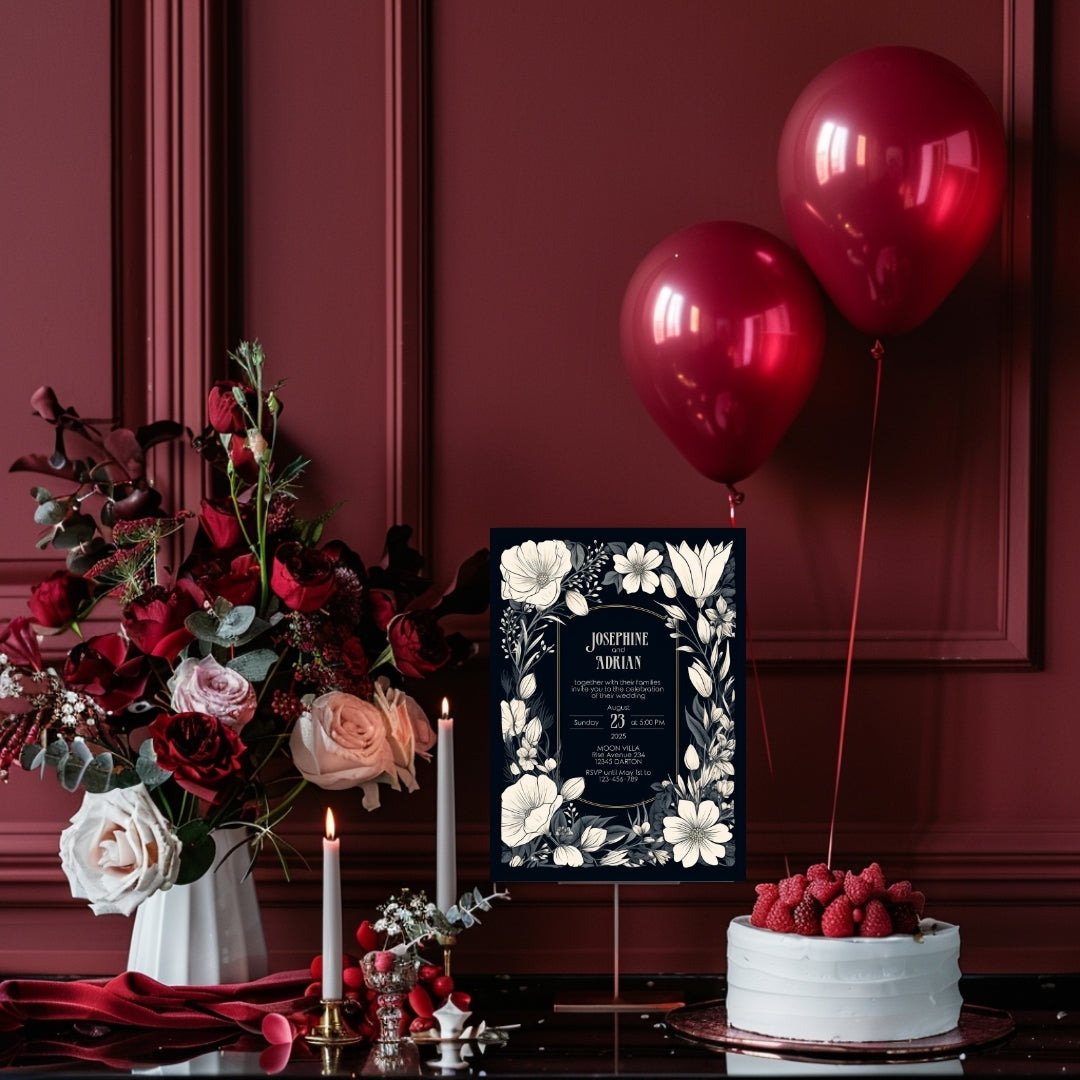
x=343, y=741
x=205, y=686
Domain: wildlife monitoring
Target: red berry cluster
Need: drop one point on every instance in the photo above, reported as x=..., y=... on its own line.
x=432, y=990
x=838, y=903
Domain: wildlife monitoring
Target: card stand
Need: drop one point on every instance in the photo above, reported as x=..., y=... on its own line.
x=619, y=1000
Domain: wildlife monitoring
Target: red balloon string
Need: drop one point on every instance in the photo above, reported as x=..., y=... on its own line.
x=878, y=353
x=735, y=498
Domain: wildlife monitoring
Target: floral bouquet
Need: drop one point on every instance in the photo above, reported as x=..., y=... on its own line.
x=266, y=661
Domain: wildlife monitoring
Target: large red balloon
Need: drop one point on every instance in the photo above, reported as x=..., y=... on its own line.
x=722, y=332
x=892, y=172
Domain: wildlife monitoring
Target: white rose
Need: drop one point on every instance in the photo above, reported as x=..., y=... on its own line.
x=343, y=741
x=205, y=686
x=119, y=849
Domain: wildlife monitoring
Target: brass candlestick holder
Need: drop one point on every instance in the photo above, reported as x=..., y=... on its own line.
x=331, y=1029
x=447, y=941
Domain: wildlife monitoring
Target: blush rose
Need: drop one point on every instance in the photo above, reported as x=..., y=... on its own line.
x=205, y=686
x=118, y=850
x=342, y=741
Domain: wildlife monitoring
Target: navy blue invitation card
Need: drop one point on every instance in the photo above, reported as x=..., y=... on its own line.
x=618, y=662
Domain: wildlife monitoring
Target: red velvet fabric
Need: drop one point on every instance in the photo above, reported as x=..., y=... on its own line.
x=136, y=1000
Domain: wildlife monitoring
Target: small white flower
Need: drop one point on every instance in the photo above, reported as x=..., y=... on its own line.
x=573, y=788
x=699, y=569
x=691, y=759
x=577, y=603
x=700, y=677
x=636, y=568
x=527, y=687
x=697, y=833
x=514, y=716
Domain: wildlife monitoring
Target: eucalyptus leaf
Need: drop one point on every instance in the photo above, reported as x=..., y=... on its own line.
x=203, y=625
x=98, y=776
x=196, y=859
x=147, y=768
x=42, y=495
x=74, y=765
x=77, y=531
x=254, y=666
x=32, y=757
x=237, y=621
x=49, y=513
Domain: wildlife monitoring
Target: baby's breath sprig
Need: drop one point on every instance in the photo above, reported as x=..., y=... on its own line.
x=410, y=920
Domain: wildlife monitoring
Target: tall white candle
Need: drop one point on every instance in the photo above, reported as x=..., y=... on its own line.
x=445, y=815
x=331, y=912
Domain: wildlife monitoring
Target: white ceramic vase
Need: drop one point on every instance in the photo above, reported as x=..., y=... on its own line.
x=206, y=933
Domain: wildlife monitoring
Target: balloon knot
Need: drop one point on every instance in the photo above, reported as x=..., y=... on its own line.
x=878, y=351
x=735, y=497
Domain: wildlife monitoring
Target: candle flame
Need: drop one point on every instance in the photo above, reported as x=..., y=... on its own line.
x=445, y=709
x=329, y=824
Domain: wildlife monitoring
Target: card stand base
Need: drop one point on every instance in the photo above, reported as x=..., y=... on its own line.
x=628, y=1001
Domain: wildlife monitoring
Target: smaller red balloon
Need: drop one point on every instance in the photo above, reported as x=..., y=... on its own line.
x=722, y=332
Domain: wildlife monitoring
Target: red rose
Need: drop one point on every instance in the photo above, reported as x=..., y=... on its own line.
x=109, y=669
x=418, y=643
x=220, y=523
x=302, y=577
x=238, y=582
x=223, y=410
x=55, y=602
x=155, y=620
x=243, y=460
x=200, y=751
x=19, y=644
x=383, y=609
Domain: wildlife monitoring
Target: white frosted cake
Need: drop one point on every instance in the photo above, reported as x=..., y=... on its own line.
x=854, y=989
x=829, y=956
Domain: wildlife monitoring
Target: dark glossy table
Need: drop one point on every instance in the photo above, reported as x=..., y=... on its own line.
x=551, y=1033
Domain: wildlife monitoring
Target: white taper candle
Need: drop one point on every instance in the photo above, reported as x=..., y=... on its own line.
x=445, y=815
x=331, y=912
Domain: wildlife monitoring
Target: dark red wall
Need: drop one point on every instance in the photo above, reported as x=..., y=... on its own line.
x=564, y=140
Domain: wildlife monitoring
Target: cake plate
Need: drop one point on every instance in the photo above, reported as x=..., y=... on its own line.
x=978, y=1026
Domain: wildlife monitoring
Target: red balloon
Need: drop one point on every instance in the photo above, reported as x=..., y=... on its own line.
x=892, y=172
x=722, y=334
